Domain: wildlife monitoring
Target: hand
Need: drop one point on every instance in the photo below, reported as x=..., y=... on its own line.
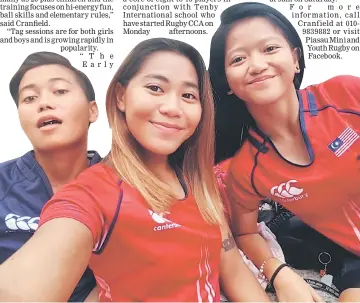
x=290, y=287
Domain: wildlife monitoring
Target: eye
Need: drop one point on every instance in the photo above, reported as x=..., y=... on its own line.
x=29, y=99
x=154, y=88
x=190, y=96
x=238, y=59
x=271, y=48
x=61, y=92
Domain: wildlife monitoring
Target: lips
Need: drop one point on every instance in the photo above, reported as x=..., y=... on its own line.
x=48, y=120
x=260, y=79
x=165, y=125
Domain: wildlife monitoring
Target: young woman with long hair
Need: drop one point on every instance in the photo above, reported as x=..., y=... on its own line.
x=148, y=220
x=296, y=146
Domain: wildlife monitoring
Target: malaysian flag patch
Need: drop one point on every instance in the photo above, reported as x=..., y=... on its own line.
x=343, y=142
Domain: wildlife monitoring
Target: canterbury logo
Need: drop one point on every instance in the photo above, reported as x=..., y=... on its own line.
x=15, y=222
x=286, y=190
x=159, y=218
x=163, y=223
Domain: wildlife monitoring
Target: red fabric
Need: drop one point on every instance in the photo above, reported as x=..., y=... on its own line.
x=148, y=257
x=221, y=171
x=325, y=194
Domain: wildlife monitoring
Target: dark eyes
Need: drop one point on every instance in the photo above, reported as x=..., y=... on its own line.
x=58, y=92
x=29, y=99
x=154, y=88
x=240, y=59
x=271, y=48
x=61, y=92
x=237, y=60
x=157, y=89
x=189, y=96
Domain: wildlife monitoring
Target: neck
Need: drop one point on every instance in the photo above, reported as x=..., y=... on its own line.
x=280, y=119
x=158, y=165
x=62, y=166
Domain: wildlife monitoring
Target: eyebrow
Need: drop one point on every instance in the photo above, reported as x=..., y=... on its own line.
x=164, y=79
x=29, y=86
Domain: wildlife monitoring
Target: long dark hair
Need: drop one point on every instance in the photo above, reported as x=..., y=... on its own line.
x=195, y=157
x=232, y=118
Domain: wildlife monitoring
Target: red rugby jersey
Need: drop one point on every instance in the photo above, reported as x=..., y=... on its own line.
x=326, y=193
x=141, y=255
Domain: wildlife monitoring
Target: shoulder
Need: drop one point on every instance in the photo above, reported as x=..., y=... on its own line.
x=10, y=174
x=238, y=167
x=98, y=173
x=8, y=165
x=92, y=194
x=243, y=162
x=342, y=81
x=222, y=167
x=235, y=172
x=94, y=182
x=339, y=91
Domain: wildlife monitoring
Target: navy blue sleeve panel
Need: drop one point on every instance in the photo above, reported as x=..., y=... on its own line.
x=84, y=287
x=22, y=196
x=24, y=190
x=9, y=176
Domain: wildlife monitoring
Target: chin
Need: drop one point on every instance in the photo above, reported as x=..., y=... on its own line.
x=264, y=98
x=55, y=145
x=161, y=149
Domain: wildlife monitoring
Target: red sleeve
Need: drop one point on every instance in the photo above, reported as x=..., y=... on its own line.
x=78, y=202
x=221, y=171
x=238, y=185
x=343, y=92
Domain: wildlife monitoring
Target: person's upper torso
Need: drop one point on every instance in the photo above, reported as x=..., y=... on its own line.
x=24, y=190
x=141, y=255
x=324, y=194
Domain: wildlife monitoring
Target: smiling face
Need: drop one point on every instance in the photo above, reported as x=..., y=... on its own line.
x=53, y=109
x=161, y=102
x=259, y=67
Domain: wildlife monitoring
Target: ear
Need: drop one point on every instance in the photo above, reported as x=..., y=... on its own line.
x=297, y=55
x=119, y=92
x=229, y=92
x=93, y=111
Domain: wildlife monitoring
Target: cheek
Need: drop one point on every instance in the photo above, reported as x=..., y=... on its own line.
x=78, y=115
x=235, y=77
x=285, y=65
x=27, y=118
x=137, y=115
x=193, y=115
x=139, y=105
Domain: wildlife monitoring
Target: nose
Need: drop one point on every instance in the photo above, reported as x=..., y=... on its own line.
x=46, y=102
x=171, y=106
x=257, y=63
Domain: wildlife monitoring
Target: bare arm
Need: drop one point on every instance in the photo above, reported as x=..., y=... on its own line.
x=250, y=241
x=238, y=282
x=49, y=265
x=289, y=285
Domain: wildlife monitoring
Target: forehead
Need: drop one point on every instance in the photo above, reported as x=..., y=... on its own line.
x=251, y=30
x=172, y=65
x=40, y=75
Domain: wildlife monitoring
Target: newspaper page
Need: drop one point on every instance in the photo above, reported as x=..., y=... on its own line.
x=96, y=36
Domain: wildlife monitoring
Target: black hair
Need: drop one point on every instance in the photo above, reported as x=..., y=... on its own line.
x=232, y=116
x=47, y=58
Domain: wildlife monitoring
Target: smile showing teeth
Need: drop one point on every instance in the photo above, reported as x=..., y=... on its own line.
x=50, y=122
